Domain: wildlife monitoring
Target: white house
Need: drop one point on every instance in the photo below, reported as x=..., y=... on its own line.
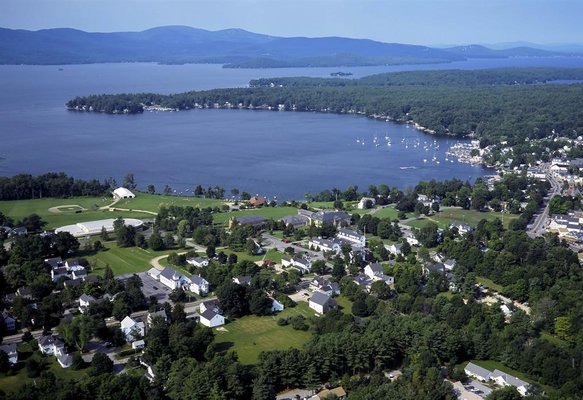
x=211, y=319
x=172, y=279
x=462, y=229
x=373, y=269
x=85, y=301
x=325, y=286
x=477, y=372
x=212, y=305
x=325, y=244
x=11, y=352
x=49, y=344
x=321, y=303
x=132, y=329
x=199, y=285
x=449, y=264
x=198, y=262
x=352, y=237
x=123, y=193
x=138, y=344
x=276, y=306
x=365, y=202
x=242, y=280
x=157, y=314
x=301, y=264
x=504, y=379
x=395, y=248
x=64, y=359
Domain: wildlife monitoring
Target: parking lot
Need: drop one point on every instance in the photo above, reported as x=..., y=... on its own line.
x=151, y=287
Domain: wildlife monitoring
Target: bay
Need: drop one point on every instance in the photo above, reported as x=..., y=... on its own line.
x=283, y=154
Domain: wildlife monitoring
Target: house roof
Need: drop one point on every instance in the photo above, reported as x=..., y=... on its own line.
x=123, y=192
x=476, y=370
x=54, y=262
x=211, y=303
x=156, y=314
x=87, y=298
x=243, y=279
x=251, y=219
x=509, y=379
x=330, y=216
x=48, y=340
x=74, y=282
x=208, y=314
x=320, y=298
x=65, y=359
x=8, y=348
x=376, y=268
x=128, y=323
x=350, y=233
x=198, y=280
x=170, y=274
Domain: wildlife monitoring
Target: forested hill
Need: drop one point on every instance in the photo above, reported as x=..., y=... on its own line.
x=235, y=48
x=492, y=104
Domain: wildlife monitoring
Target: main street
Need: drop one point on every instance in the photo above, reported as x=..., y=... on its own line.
x=537, y=227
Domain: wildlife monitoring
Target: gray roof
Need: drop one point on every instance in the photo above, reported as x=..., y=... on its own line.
x=73, y=282
x=209, y=304
x=8, y=348
x=160, y=313
x=510, y=379
x=476, y=370
x=244, y=279
x=208, y=314
x=251, y=219
x=197, y=279
x=87, y=298
x=65, y=359
x=320, y=298
x=48, y=340
x=54, y=262
x=350, y=233
x=330, y=216
x=169, y=273
x=376, y=268
x=294, y=220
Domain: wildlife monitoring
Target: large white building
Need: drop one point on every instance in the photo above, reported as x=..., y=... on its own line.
x=123, y=193
x=95, y=227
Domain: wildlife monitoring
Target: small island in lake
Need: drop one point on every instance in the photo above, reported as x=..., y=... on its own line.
x=341, y=74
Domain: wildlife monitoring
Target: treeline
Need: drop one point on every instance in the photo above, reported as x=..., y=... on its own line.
x=53, y=184
x=495, y=112
x=454, y=77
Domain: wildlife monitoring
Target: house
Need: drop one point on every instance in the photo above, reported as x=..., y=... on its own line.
x=504, y=379
x=54, y=262
x=257, y=201
x=198, y=262
x=395, y=248
x=154, y=273
x=363, y=281
x=50, y=344
x=321, y=303
x=276, y=306
x=462, y=229
x=412, y=240
x=366, y=202
x=59, y=273
x=295, y=220
x=85, y=301
x=79, y=274
x=212, y=305
x=211, y=319
x=122, y=193
x=199, y=285
x=19, y=231
x=477, y=372
x=24, y=292
x=352, y=237
x=72, y=283
x=506, y=310
x=253, y=220
x=336, y=393
x=301, y=264
x=172, y=279
x=328, y=245
x=138, y=344
x=8, y=321
x=373, y=269
x=157, y=314
x=132, y=329
x=449, y=264
x=242, y=280
x=335, y=218
x=11, y=352
x=325, y=286
x=64, y=359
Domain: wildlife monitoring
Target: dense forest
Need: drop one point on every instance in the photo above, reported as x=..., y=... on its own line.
x=506, y=104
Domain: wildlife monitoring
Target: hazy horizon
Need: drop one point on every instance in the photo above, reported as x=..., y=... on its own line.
x=425, y=22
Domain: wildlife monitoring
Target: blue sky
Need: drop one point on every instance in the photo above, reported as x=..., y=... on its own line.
x=404, y=21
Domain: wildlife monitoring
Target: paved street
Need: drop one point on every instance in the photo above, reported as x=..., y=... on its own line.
x=538, y=226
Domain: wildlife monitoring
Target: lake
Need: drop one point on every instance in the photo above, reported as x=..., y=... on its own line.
x=283, y=154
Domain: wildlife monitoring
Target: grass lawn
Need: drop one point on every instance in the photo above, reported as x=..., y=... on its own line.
x=268, y=212
x=448, y=215
x=123, y=260
x=387, y=212
x=251, y=335
x=345, y=304
x=271, y=254
x=554, y=340
x=152, y=202
x=12, y=383
x=489, y=284
x=19, y=209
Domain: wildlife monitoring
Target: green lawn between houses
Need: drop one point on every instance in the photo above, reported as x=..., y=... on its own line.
x=152, y=202
x=250, y=335
x=268, y=212
x=124, y=260
x=448, y=215
x=12, y=383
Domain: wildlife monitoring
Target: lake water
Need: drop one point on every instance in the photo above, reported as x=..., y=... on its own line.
x=281, y=154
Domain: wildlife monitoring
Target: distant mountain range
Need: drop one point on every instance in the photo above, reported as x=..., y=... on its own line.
x=235, y=48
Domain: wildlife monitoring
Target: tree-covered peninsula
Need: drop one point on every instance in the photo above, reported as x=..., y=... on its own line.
x=501, y=104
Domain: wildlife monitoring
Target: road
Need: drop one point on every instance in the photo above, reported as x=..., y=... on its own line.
x=280, y=245
x=538, y=226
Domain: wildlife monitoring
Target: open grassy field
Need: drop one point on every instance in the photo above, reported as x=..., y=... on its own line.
x=387, y=212
x=345, y=304
x=12, y=383
x=123, y=260
x=152, y=202
x=268, y=212
x=251, y=335
x=489, y=283
x=449, y=215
